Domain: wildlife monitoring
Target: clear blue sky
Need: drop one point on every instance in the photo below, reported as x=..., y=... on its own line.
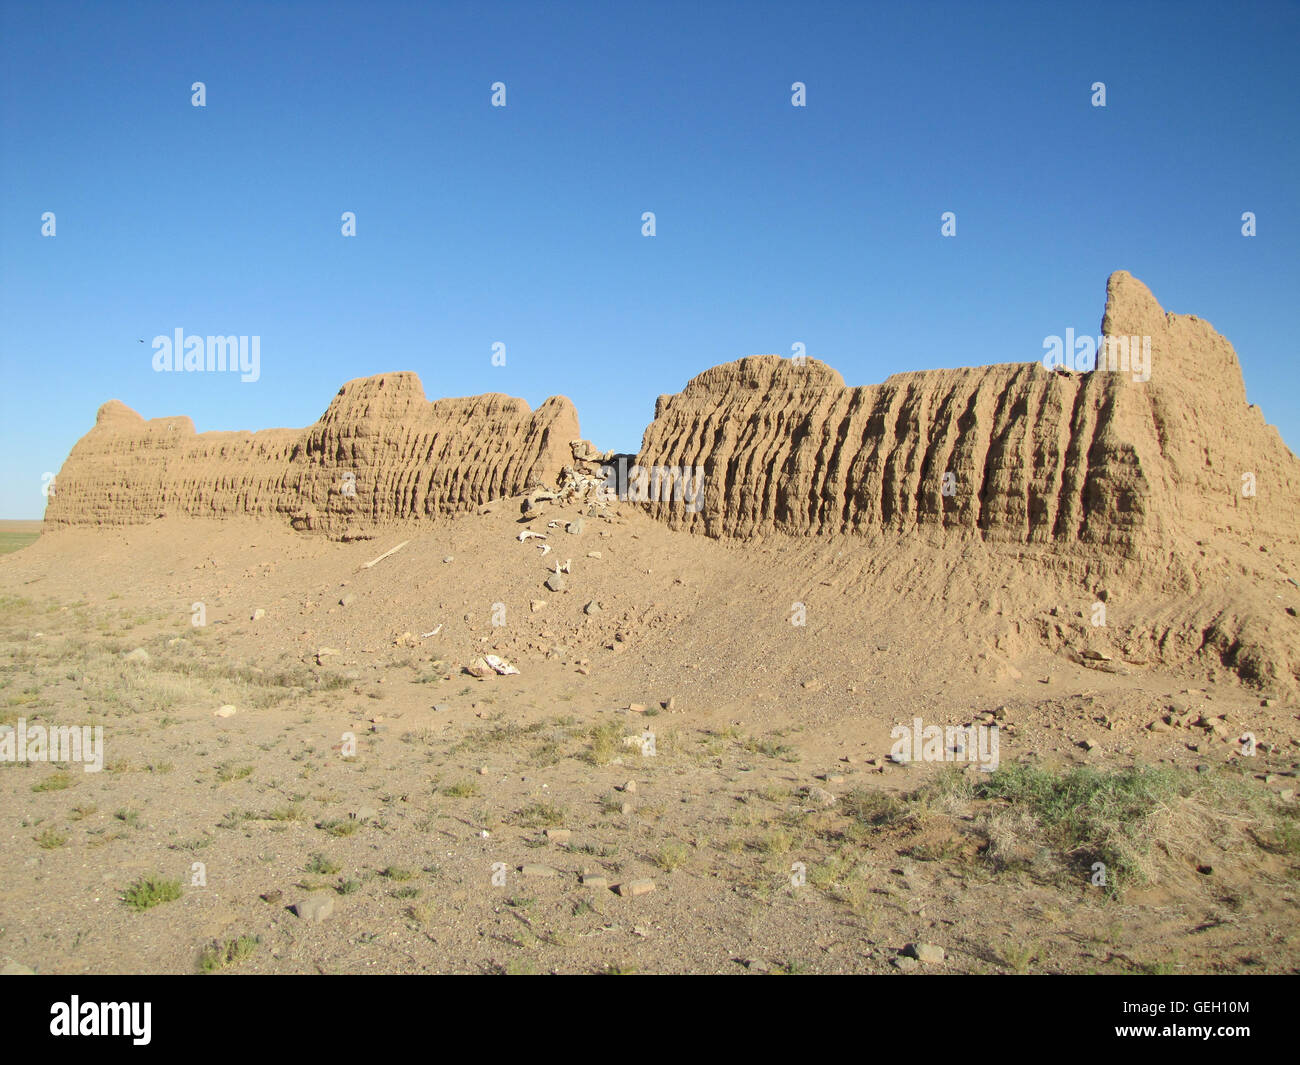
x=522, y=225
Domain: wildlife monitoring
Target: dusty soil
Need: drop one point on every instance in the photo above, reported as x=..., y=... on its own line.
x=455, y=779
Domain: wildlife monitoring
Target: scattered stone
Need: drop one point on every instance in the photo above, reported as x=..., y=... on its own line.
x=813, y=685
x=926, y=953
x=758, y=965
x=834, y=778
x=556, y=583
x=906, y=964
x=538, y=870
x=501, y=665
x=537, y=495
x=558, y=835
x=316, y=907
x=670, y=704
x=593, y=554
x=574, y=528
x=594, y=881
x=591, y=608
x=347, y=600
x=490, y=665
x=225, y=711
x=822, y=797
x=259, y=614
x=138, y=655
x=637, y=708
x=364, y=813
x=630, y=786
x=625, y=809
x=323, y=653
x=483, y=771
x=1159, y=726
x=449, y=558
x=537, y=604
x=634, y=888
x=273, y=896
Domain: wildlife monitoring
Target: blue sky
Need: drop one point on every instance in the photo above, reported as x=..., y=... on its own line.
x=522, y=225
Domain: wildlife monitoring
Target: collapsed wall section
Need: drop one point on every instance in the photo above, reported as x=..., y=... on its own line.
x=380, y=453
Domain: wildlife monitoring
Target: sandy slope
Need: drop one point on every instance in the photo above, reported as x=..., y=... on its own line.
x=762, y=710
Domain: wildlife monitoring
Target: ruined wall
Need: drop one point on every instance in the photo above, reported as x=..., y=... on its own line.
x=1036, y=456
x=407, y=457
x=1118, y=465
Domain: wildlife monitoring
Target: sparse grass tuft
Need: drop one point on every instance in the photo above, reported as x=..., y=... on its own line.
x=1092, y=815
x=776, y=841
x=672, y=855
x=873, y=808
x=322, y=866
x=151, y=891
x=605, y=742
x=227, y=772
x=539, y=815
x=219, y=955
x=770, y=747
x=1142, y=822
